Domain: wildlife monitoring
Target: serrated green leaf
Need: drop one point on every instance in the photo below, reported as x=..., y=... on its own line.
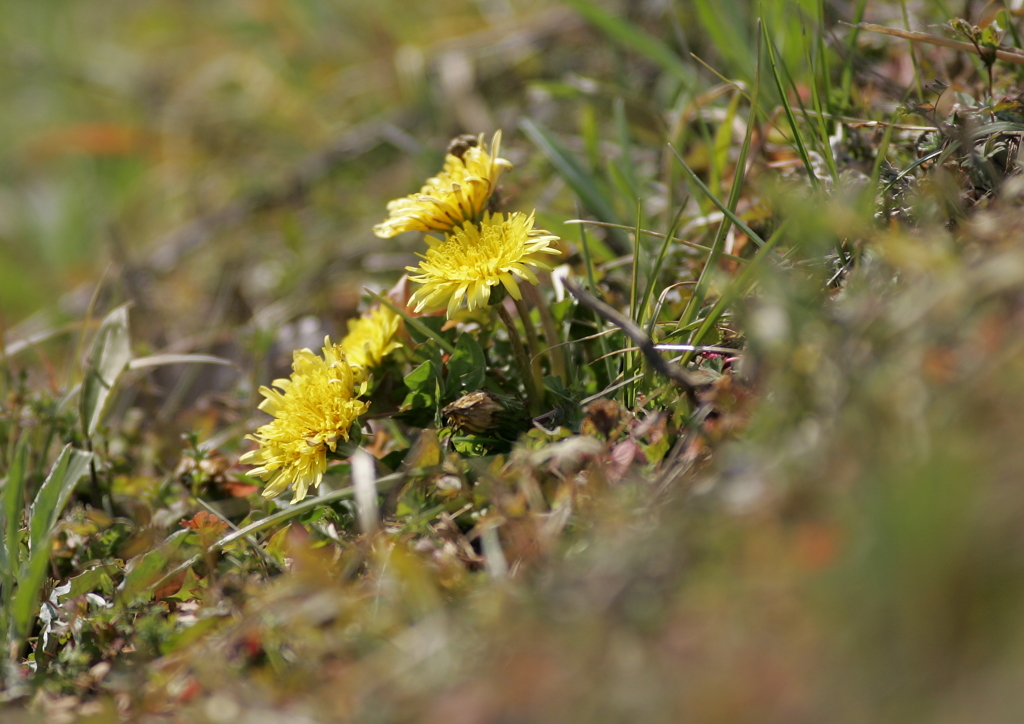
x=108, y=359
x=467, y=367
x=422, y=378
x=417, y=401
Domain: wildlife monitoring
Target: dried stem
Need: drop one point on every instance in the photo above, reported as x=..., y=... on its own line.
x=640, y=338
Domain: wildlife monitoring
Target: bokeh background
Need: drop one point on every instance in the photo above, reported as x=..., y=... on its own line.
x=855, y=556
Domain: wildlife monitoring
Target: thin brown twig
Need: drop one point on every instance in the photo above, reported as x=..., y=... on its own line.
x=662, y=366
x=1003, y=54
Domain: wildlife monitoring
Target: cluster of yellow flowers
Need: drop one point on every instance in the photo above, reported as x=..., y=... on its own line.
x=316, y=407
x=480, y=249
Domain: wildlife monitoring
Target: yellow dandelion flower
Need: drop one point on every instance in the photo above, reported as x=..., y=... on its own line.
x=472, y=260
x=456, y=195
x=313, y=410
x=371, y=338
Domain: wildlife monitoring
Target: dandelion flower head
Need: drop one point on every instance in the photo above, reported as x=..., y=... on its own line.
x=371, y=338
x=473, y=259
x=457, y=195
x=314, y=409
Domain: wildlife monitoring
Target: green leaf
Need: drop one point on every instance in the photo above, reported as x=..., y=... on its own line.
x=422, y=378
x=150, y=568
x=10, y=541
x=109, y=357
x=14, y=503
x=418, y=401
x=98, y=577
x=70, y=466
x=467, y=367
x=68, y=469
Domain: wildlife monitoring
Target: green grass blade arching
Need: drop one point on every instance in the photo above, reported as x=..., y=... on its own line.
x=628, y=36
x=414, y=323
x=729, y=213
x=588, y=262
x=582, y=183
x=724, y=21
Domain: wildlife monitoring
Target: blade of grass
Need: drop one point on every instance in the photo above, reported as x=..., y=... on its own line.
x=108, y=359
x=413, y=322
x=729, y=213
x=851, y=51
x=627, y=35
x=700, y=292
x=731, y=293
x=822, y=55
x=625, y=146
x=632, y=360
x=723, y=139
x=6, y=379
x=791, y=117
x=589, y=264
x=634, y=281
x=71, y=465
x=79, y=344
x=825, y=140
x=652, y=277
x=725, y=23
x=383, y=484
x=582, y=183
x=913, y=54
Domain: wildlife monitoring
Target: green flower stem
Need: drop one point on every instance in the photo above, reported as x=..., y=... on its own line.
x=555, y=350
x=532, y=343
x=521, y=360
